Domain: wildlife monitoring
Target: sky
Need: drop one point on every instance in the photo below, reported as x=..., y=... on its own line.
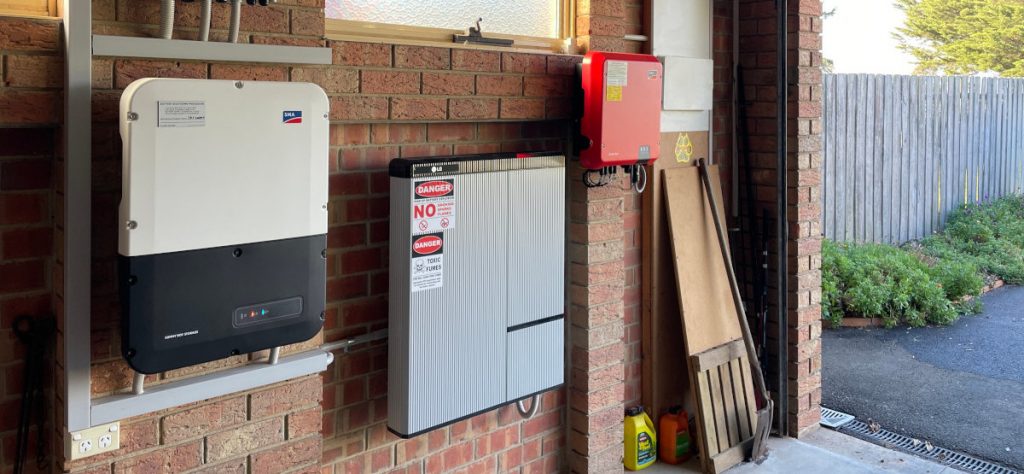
x=858, y=38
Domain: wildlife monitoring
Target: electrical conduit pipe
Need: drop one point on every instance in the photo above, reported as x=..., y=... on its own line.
x=166, y=19
x=236, y=20
x=204, y=20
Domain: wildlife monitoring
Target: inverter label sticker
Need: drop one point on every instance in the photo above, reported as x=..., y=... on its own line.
x=181, y=113
x=433, y=206
x=427, y=262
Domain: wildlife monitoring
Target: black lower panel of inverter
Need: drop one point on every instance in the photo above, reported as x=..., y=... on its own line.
x=186, y=308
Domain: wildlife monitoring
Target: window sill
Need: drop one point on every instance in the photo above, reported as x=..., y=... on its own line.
x=366, y=32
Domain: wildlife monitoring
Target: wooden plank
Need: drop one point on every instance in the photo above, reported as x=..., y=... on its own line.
x=729, y=402
x=718, y=405
x=664, y=363
x=888, y=158
x=841, y=158
x=712, y=358
x=828, y=169
x=724, y=461
x=868, y=192
x=709, y=315
x=879, y=160
x=705, y=414
x=741, y=386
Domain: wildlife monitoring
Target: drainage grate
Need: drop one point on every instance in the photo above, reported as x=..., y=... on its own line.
x=906, y=444
x=834, y=419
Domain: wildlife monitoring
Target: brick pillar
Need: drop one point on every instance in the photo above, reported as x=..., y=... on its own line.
x=804, y=196
x=597, y=326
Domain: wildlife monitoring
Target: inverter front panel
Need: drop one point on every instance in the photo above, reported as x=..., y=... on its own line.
x=223, y=218
x=460, y=306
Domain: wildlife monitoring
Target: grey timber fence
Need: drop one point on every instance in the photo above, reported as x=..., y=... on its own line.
x=901, y=152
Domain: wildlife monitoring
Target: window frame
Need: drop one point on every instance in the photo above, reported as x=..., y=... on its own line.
x=29, y=8
x=355, y=30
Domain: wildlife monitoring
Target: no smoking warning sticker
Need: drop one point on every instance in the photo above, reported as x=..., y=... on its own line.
x=433, y=206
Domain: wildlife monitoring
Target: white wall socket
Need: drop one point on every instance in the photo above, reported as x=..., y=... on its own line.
x=92, y=441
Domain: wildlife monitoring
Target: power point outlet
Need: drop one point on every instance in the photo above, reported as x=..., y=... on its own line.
x=90, y=442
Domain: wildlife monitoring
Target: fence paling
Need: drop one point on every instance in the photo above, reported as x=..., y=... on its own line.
x=901, y=152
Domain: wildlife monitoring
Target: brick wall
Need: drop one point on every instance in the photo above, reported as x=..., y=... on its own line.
x=30, y=82
x=758, y=57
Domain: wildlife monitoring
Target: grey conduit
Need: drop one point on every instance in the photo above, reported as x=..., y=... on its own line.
x=167, y=19
x=236, y=20
x=204, y=20
x=523, y=412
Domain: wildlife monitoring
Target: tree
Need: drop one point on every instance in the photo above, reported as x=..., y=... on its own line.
x=964, y=36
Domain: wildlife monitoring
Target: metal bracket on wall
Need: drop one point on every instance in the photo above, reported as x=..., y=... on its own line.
x=83, y=411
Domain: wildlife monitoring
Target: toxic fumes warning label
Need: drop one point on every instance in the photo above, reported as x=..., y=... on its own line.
x=433, y=206
x=427, y=262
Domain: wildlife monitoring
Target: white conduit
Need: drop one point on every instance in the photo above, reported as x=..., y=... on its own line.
x=204, y=20
x=236, y=20
x=166, y=19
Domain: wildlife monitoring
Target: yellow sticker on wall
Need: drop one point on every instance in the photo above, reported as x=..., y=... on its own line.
x=684, y=148
x=614, y=94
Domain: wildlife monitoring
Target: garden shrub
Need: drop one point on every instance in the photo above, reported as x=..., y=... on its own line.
x=927, y=281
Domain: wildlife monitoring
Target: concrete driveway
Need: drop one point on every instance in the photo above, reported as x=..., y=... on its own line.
x=960, y=387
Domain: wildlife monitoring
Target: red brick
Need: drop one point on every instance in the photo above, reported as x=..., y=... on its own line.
x=29, y=107
x=34, y=71
x=467, y=109
x=499, y=85
x=443, y=83
x=24, y=175
x=350, y=286
x=29, y=34
x=359, y=108
x=246, y=72
x=563, y=65
x=26, y=142
x=350, y=134
x=334, y=80
x=523, y=63
x=127, y=71
x=398, y=133
x=286, y=397
x=497, y=441
x=522, y=108
x=285, y=457
x=308, y=22
x=244, y=439
x=361, y=54
x=546, y=86
x=203, y=419
x=357, y=261
x=406, y=108
x=171, y=459
x=22, y=276
x=304, y=423
x=476, y=60
x=422, y=57
x=451, y=132
x=348, y=184
x=26, y=243
x=450, y=458
x=390, y=82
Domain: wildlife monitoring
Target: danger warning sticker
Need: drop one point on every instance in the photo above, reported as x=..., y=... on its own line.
x=433, y=206
x=427, y=269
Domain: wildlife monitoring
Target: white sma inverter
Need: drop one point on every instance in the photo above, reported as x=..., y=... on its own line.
x=223, y=218
x=476, y=314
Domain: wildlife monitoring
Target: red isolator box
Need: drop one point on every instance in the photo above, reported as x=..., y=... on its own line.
x=621, y=109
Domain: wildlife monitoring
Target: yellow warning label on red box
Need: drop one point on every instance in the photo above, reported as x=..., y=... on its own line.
x=614, y=94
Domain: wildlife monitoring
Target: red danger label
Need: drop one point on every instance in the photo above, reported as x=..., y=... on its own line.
x=427, y=245
x=434, y=189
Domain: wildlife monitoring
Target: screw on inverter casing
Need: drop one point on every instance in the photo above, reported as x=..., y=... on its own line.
x=130, y=353
x=132, y=280
x=131, y=225
x=237, y=252
x=239, y=85
x=132, y=116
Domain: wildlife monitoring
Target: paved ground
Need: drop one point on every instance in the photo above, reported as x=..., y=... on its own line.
x=824, y=451
x=961, y=387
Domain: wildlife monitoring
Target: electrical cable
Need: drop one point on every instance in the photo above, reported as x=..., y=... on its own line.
x=36, y=335
x=641, y=182
x=533, y=407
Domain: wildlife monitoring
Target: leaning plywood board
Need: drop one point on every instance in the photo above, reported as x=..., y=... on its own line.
x=709, y=314
x=664, y=361
x=718, y=366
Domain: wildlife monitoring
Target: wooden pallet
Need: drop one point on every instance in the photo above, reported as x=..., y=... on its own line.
x=717, y=361
x=726, y=405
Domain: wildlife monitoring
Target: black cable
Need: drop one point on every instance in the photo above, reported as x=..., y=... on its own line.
x=36, y=334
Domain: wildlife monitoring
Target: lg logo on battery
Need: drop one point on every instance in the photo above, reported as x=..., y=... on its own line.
x=432, y=189
x=427, y=245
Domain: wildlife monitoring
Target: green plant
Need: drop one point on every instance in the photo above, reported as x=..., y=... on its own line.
x=989, y=236
x=881, y=281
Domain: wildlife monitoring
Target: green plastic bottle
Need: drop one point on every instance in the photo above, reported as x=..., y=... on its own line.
x=641, y=440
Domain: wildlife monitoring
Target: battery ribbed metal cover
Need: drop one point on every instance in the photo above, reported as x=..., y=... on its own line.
x=477, y=271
